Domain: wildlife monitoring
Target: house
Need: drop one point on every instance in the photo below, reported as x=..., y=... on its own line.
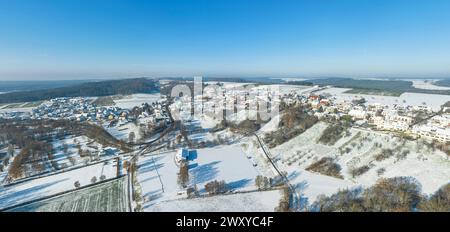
x=432, y=133
x=182, y=155
x=358, y=114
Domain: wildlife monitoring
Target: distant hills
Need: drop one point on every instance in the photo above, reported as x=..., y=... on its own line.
x=382, y=87
x=13, y=86
x=89, y=89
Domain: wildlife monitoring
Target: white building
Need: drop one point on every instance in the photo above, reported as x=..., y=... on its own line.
x=432, y=133
x=358, y=114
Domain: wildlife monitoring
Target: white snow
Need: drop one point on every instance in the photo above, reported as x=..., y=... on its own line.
x=128, y=102
x=265, y=201
x=157, y=174
x=228, y=163
x=435, y=101
x=427, y=84
x=123, y=132
x=272, y=125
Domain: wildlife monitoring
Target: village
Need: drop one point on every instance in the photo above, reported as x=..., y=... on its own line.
x=209, y=138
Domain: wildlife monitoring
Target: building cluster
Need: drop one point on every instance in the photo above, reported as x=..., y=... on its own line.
x=431, y=125
x=437, y=128
x=79, y=109
x=234, y=103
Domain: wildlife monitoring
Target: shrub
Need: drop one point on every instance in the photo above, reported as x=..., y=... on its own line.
x=216, y=187
x=326, y=166
x=385, y=154
x=359, y=171
x=402, y=155
x=381, y=171
x=332, y=134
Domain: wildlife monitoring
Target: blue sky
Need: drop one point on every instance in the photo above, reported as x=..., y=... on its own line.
x=81, y=39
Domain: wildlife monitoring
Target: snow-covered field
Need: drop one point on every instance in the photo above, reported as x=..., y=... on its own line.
x=427, y=84
x=105, y=197
x=72, y=157
x=5, y=109
x=50, y=185
x=414, y=99
x=264, y=201
x=157, y=174
x=128, y=102
x=227, y=163
x=280, y=89
x=123, y=132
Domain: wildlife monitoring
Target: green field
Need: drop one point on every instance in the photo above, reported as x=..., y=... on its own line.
x=106, y=197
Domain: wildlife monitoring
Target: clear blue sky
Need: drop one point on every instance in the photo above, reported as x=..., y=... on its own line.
x=57, y=39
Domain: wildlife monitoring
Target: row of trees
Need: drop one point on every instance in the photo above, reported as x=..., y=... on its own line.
x=93, y=181
x=262, y=182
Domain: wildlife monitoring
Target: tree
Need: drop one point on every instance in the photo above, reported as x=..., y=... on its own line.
x=393, y=195
x=6, y=162
x=11, y=150
x=216, y=187
x=438, y=202
x=266, y=183
x=193, y=191
x=131, y=137
x=178, y=138
x=284, y=204
x=65, y=148
x=94, y=180
x=126, y=165
x=72, y=160
x=80, y=151
x=183, y=175
x=77, y=184
x=259, y=182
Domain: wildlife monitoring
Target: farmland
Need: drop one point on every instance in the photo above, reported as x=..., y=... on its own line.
x=105, y=197
x=47, y=186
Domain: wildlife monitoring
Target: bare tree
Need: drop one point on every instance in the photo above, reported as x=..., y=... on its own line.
x=183, y=175
x=11, y=150
x=284, y=204
x=65, y=148
x=216, y=187
x=259, y=182
x=131, y=137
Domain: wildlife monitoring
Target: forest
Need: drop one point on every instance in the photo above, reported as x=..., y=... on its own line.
x=89, y=89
